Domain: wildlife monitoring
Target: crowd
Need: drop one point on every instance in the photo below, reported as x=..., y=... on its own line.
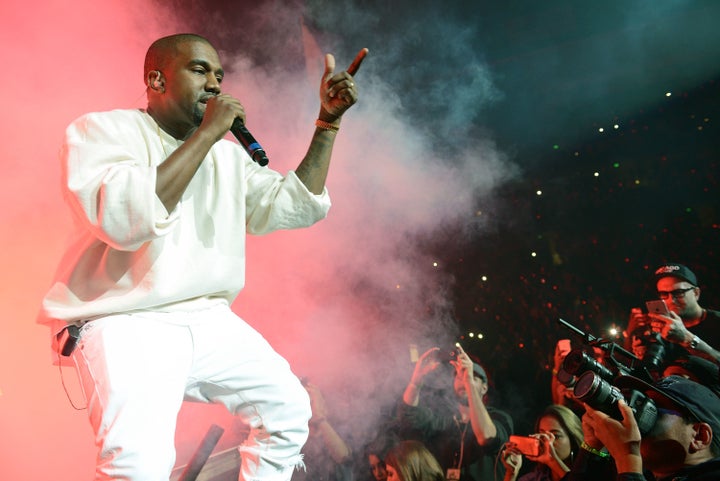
x=663, y=422
x=597, y=238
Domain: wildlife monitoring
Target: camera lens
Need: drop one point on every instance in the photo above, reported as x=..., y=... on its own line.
x=598, y=393
x=578, y=361
x=654, y=357
x=565, y=378
x=603, y=396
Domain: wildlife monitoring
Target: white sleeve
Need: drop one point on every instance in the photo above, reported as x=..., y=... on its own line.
x=110, y=181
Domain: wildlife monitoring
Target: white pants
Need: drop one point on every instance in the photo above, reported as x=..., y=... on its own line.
x=137, y=368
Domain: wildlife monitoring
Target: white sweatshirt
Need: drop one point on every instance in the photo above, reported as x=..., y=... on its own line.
x=128, y=253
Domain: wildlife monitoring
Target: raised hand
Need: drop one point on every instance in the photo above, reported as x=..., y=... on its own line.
x=338, y=91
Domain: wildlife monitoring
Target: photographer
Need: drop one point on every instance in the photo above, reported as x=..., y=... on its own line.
x=464, y=436
x=663, y=358
x=682, y=443
x=665, y=343
x=678, y=287
x=559, y=434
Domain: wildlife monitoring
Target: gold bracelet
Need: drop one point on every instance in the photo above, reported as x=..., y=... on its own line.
x=596, y=452
x=321, y=124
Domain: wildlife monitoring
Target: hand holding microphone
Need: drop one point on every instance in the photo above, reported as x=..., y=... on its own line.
x=238, y=129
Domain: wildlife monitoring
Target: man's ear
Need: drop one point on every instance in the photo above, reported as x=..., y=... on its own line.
x=483, y=388
x=702, y=437
x=156, y=81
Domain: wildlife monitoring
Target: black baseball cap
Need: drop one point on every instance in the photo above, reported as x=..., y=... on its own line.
x=676, y=270
x=682, y=394
x=697, y=369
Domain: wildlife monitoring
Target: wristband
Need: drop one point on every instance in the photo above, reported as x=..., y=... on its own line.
x=596, y=452
x=321, y=124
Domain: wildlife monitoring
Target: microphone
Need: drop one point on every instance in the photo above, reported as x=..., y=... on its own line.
x=248, y=142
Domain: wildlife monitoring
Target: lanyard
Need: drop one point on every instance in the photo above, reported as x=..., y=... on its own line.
x=458, y=464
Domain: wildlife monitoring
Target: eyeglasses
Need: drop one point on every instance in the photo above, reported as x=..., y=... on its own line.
x=676, y=294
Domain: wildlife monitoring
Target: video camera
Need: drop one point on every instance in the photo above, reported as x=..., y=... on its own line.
x=592, y=381
x=658, y=353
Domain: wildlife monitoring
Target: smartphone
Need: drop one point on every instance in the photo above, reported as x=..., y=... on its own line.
x=448, y=354
x=527, y=445
x=563, y=346
x=657, y=307
x=414, y=356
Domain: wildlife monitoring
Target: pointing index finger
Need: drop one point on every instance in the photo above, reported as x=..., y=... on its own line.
x=355, y=65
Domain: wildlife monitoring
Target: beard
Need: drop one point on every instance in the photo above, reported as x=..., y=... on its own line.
x=462, y=398
x=198, y=113
x=199, y=107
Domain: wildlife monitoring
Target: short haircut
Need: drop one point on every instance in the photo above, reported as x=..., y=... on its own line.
x=163, y=49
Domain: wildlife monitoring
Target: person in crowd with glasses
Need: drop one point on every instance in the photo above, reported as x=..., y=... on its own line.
x=680, y=341
x=688, y=324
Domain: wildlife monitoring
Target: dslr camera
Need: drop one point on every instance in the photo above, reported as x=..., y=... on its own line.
x=594, y=382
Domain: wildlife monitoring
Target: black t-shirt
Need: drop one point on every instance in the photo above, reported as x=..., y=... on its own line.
x=702, y=368
x=449, y=440
x=709, y=329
